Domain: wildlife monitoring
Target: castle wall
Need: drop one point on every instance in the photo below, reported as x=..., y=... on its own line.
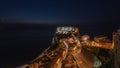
x=117, y=49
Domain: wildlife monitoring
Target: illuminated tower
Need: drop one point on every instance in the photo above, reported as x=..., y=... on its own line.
x=116, y=37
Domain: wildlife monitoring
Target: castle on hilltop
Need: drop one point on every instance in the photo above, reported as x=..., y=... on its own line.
x=69, y=49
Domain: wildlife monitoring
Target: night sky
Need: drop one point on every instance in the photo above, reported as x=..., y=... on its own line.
x=59, y=10
x=28, y=25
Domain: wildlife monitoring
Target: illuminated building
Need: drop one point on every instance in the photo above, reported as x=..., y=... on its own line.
x=70, y=50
